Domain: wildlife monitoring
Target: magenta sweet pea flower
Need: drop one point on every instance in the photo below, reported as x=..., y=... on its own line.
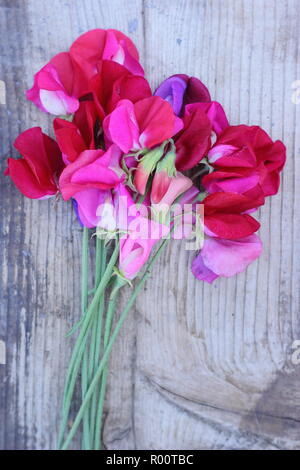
x=180, y=89
x=100, y=44
x=88, y=180
x=221, y=257
x=56, y=89
x=60, y=84
x=92, y=169
x=144, y=124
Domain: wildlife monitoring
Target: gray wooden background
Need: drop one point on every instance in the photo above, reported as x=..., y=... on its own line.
x=196, y=366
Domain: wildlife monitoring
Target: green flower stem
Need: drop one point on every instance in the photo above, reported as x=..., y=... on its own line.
x=109, y=319
x=107, y=351
x=84, y=304
x=81, y=341
x=86, y=439
x=97, y=331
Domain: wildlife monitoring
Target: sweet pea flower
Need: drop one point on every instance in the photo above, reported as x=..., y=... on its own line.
x=136, y=246
x=221, y=257
x=87, y=204
x=76, y=136
x=92, y=169
x=57, y=86
x=225, y=215
x=88, y=179
x=100, y=44
x=168, y=183
x=246, y=161
x=194, y=140
x=61, y=83
x=117, y=211
x=114, y=83
x=134, y=254
x=144, y=127
x=37, y=172
x=108, y=210
x=166, y=189
x=185, y=213
x=138, y=233
x=144, y=124
x=180, y=90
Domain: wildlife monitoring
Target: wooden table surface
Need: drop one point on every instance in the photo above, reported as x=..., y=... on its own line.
x=196, y=366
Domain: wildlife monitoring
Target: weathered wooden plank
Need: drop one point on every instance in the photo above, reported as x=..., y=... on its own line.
x=40, y=241
x=201, y=366
x=211, y=364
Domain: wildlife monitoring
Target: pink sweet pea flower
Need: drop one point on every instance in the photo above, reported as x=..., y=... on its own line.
x=37, y=173
x=246, y=154
x=133, y=255
x=99, y=44
x=114, y=212
x=144, y=124
x=107, y=209
x=180, y=90
x=136, y=247
x=166, y=189
x=92, y=169
x=57, y=86
x=88, y=202
x=141, y=235
x=221, y=257
x=89, y=180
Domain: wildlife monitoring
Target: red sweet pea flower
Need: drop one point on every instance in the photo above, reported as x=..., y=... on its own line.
x=246, y=159
x=99, y=44
x=114, y=83
x=194, y=140
x=76, y=136
x=225, y=215
x=37, y=173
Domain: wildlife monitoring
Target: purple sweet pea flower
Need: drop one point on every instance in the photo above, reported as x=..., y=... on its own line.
x=180, y=90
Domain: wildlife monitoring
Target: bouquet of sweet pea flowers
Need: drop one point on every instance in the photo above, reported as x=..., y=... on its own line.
x=140, y=169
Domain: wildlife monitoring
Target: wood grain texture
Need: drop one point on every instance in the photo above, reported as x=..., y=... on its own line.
x=196, y=366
